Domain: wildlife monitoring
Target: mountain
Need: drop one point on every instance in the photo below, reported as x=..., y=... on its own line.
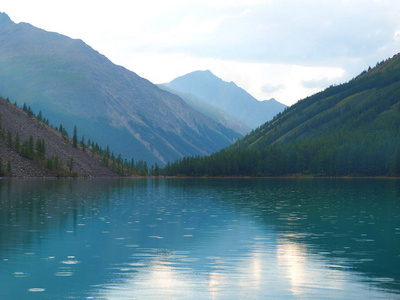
x=73, y=84
x=228, y=97
x=18, y=127
x=351, y=129
x=210, y=111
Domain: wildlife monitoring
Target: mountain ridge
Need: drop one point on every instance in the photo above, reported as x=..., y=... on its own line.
x=210, y=111
x=227, y=96
x=350, y=129
x=73, y=84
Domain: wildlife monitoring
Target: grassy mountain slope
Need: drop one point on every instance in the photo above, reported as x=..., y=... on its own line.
x=15, y=122
x=227, y=96
x=348, y=129
x=75, y=85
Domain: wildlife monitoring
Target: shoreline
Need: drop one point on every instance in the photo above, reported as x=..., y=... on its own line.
x=202, y=177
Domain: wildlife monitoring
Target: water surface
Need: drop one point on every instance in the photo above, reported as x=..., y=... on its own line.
x=200, y=239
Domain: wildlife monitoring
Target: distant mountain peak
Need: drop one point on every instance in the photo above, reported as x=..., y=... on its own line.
x=73, y=84
x=208, y=72
x=203, y=74
x=4, y=18
x=227, y=96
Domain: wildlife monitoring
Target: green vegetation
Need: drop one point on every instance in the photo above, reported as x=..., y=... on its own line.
x=54, y=163
x=347, y=130
x=5, y=170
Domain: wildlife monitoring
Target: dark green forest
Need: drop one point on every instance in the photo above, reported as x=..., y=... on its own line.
x=351, y=129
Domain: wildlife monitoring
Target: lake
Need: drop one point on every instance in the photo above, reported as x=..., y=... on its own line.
x=200, y=239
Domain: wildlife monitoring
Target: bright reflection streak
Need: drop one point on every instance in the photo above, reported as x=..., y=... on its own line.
x=165, y=279
x=162, y=278
x=256, y=269
x=214, y=282
x=252, y=271
x=303, y=272
x=159, y=279
x=285, y=269
x=292, y=258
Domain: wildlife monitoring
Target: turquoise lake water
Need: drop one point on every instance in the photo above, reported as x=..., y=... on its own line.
x=200, y=239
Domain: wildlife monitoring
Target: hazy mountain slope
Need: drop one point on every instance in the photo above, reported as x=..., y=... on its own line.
x=210, y=111
x=348, y=129
x=14, y=120
x=228, y=97
x=74, y=85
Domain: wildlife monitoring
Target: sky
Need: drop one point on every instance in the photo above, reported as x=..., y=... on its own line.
x=282, y=49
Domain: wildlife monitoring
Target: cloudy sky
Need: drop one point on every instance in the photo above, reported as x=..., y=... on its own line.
x=286, y=49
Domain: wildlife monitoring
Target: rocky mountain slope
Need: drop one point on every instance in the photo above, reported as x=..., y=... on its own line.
x=15, y=122
x=73, y=84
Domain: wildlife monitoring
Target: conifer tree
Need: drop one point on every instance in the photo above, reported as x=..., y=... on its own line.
x=31, y=146
x=17, y=142
x=9, y=168
x=40, y=116
x=75, y=138
x=83, y=143
x=70, y=164
x=40, y=149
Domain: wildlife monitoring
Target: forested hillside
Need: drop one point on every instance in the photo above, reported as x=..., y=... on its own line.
x=29, y=147
x=352, y=129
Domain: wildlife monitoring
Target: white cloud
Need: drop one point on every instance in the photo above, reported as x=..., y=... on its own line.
x=397, y=35
x=287, y=81
x=269, y=88
x=295, y=45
